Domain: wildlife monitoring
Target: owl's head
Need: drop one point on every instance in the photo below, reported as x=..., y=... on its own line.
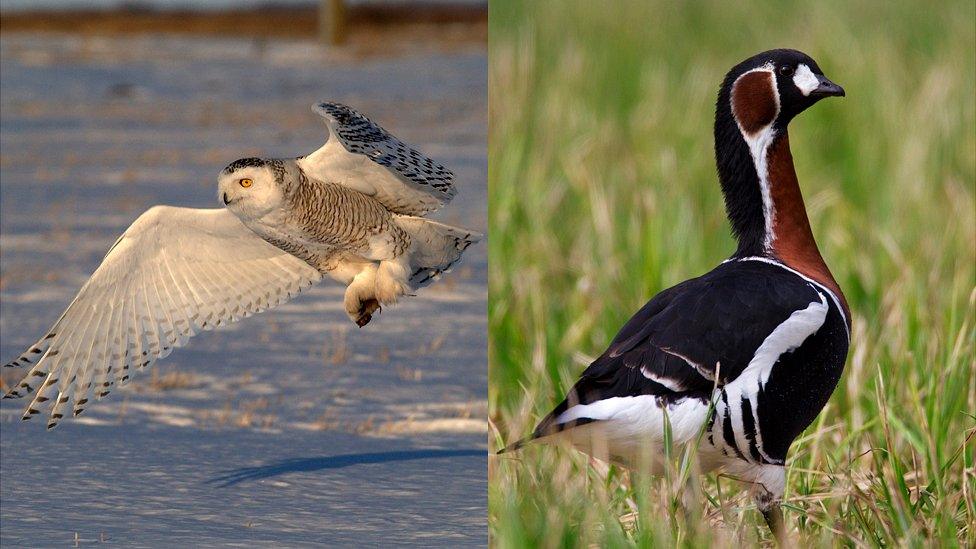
x=248, y=188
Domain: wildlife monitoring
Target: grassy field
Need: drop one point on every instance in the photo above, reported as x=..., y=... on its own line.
x=603, y=192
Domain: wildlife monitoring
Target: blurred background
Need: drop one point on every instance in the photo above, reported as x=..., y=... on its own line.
x=603, y=192
x=294, y=426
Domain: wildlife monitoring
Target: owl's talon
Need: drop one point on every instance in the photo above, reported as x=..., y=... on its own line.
x=366, y=311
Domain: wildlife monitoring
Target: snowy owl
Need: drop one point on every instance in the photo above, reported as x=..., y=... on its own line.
x=352, y=210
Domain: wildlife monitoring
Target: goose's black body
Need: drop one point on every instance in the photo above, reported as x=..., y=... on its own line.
x=721, y=318
x=764, y=336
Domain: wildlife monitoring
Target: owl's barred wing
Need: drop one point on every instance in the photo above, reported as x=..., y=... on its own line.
x=363, y=156
x=174, y=272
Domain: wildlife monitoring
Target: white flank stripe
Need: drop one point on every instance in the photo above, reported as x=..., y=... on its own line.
x=668, y=383
x=641, y=416
x=759, y=440
x=785, y=338
x=805, y=80
x=734, y=393
x=705, y=372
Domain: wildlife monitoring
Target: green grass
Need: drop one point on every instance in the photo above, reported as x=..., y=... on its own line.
x=603, y=193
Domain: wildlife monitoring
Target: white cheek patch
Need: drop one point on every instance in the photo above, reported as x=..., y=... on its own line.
x=805, y=80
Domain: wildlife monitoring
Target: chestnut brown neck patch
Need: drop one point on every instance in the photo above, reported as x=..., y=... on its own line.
x=755, y=102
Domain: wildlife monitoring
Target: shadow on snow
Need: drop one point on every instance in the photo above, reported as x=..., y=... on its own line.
x=301, y=465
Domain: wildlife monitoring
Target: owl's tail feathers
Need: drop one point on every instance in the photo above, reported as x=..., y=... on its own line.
x=435, y=247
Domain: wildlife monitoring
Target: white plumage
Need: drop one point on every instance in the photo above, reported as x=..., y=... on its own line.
x=361, y=155
x=177, y=271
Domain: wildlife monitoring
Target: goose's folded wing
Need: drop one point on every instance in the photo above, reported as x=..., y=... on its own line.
x=694, y=336
x=174, y=272
x=363, y=156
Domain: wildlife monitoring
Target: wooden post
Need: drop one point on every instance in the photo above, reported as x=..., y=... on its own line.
x=332, y=22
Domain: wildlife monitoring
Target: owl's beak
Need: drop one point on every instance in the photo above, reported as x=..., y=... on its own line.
x=226, y=199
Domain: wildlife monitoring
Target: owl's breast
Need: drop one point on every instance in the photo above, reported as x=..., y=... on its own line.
x=281, y=234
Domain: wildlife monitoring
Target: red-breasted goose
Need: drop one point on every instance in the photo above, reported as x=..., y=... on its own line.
x=764, y=336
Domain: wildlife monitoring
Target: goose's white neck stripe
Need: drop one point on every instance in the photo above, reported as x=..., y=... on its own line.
x=759, y=142
x=833, y=297
x=759, y=149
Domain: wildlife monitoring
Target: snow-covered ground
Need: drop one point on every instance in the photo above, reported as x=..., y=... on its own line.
x=293, y=426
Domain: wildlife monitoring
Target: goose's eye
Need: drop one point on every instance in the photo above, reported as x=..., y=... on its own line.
x=786, y=70
x=246, y=182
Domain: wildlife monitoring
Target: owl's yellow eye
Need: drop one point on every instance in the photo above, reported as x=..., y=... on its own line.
x=246, y=182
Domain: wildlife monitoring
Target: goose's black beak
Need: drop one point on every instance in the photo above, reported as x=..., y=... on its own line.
x=826, y=88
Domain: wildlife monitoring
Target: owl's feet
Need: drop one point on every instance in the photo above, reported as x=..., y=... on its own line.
x=366, y=310
x=360, y=300
x=371, y=288
x=392, y=280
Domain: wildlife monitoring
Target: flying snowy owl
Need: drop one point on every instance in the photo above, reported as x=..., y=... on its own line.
x=352, y=210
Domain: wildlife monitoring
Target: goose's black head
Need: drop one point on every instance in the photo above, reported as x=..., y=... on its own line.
x=775, y=86
x=758, y=99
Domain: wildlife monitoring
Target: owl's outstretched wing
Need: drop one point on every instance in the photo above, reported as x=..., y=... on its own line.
x=363, y=156
x=174, y=272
